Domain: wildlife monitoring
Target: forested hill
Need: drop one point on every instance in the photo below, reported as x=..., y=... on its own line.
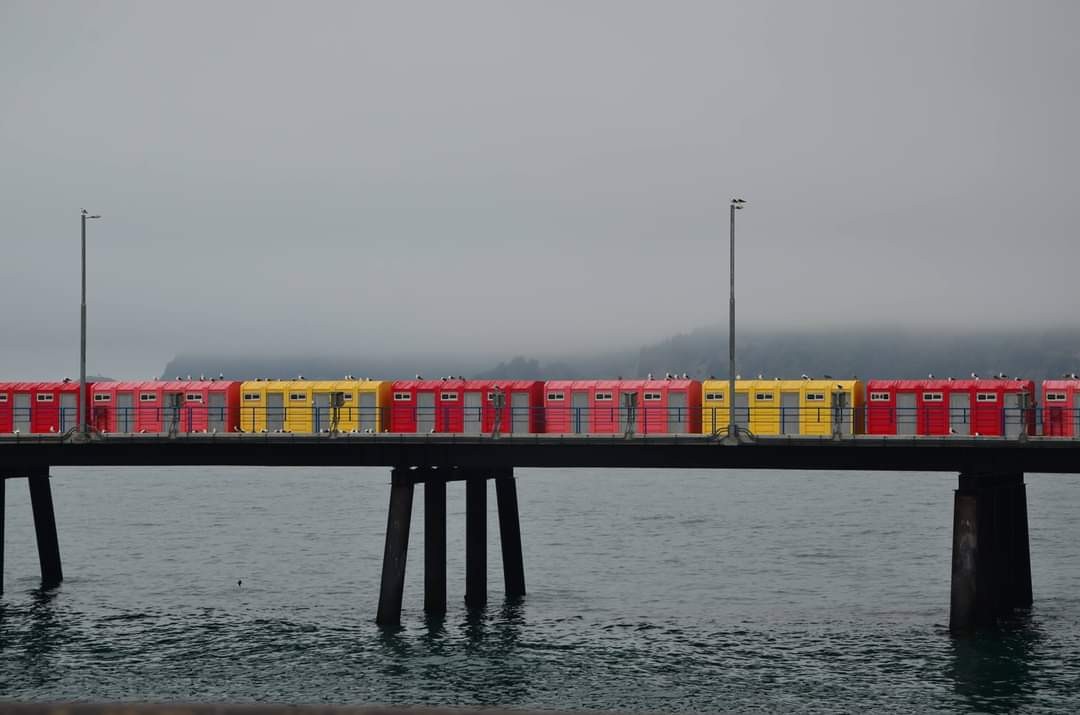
x=1035, y=355
x=791, y=353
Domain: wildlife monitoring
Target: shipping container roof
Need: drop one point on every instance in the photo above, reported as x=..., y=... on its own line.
x=620, y=384
x=939, y=384
x=1061, y=384
x=31, y=386
x=456, y=384
x=169, y=385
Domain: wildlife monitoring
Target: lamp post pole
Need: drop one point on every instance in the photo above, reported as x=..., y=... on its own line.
x=81, y=410
x=736, y=204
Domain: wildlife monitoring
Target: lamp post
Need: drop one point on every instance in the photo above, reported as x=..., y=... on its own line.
x=736, y=204
x=82, y=333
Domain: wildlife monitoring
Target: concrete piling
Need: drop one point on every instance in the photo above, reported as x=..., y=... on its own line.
x=41, y=503
x=435, y=543
x=392, y=586
x=991, y=558
x=3, y=510
x=476, y=540
x=510, y=533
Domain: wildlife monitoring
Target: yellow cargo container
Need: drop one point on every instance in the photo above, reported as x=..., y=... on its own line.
x=714, y=404
x=787, y=407
x=306, y=406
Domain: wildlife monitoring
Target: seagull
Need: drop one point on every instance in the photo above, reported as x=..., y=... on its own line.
x=419, y=378
x=930, y=376
x=649, y=376
x=974, y=376
x=685, y=376
x=805, y=376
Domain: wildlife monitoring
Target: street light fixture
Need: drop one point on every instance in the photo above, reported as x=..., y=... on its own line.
x=82, y=334
x=736, y=204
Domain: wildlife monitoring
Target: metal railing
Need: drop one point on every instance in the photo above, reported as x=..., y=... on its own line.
x=837, y=422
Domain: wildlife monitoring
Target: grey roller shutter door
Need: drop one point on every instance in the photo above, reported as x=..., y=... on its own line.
x=842, y=417
x=1014, y=418
x=579, y=414
x=366, y=419
x=624, y=411
x=677, y=415
x=519, y=407
x=320, y=412
x=906, y=421
x=125, y=403
x=68, y=411
x=425, y=412
x=21, y=416
x=275, y=411
x=742, y=409
x=472, y=416
x=960, y=412
x=216, y=418
x=789, y=406
x=170, y=412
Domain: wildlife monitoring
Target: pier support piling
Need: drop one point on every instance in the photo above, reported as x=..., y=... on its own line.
x=510, y=533
x=434, y=543
x=991, y=558
x=476, y=540
x=3, y=510
x=392, y=586
x=41, y=503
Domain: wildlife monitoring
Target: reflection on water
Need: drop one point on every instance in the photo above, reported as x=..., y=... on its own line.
x=992, y=671
x=763, y=592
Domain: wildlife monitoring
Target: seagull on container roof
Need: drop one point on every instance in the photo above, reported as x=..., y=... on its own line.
x=685, y=376
x=805, y=376
x=930, y=376
x=974, y=376
x=419, y=378
x=649, y=376
x=221, y=376
x=760, y=376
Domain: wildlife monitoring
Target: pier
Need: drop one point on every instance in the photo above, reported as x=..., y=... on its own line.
x=991, y=566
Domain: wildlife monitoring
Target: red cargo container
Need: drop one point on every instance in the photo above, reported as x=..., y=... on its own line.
x=598, y=406
x=465, y=406
x=1061, y=408
x=977, y=407
x=151, y=406
x=39, y=407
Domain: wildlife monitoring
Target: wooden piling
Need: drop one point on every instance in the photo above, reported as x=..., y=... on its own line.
x=510, y=533
x=392, y=586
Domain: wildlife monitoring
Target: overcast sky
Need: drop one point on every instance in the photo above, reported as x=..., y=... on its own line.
x=508, y=177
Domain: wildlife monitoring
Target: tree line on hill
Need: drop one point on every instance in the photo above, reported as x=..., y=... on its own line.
x=703, y=353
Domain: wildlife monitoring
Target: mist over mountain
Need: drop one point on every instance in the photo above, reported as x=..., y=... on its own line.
x=1034, y=354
